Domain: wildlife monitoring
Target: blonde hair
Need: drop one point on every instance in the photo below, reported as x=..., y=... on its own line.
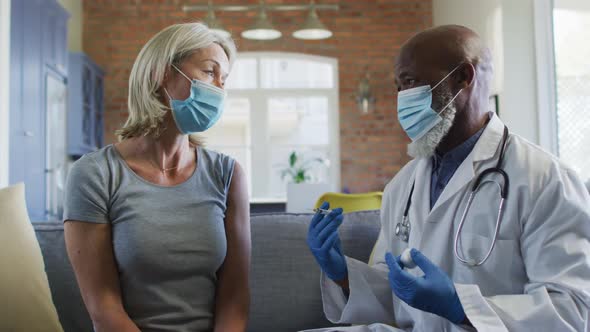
x=168, y=47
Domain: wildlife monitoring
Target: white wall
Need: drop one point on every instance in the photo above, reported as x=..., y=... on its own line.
x=518, y=103
x=74, y=7
x=4, y=90
x=507, y=27
x=485, y=19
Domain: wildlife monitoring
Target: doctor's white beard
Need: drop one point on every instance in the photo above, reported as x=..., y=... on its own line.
x=425, y=146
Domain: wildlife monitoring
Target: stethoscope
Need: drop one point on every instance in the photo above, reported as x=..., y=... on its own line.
x=403, y=228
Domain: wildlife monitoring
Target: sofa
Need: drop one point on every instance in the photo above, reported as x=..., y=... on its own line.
x=285, y=293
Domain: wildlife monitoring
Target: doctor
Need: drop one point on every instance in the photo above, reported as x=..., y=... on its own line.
x=537, y=274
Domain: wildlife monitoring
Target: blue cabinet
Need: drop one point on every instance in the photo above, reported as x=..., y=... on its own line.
x=86, y=105
x=54, y=34
x=38, y=44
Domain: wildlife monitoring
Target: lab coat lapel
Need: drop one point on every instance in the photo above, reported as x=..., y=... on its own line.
x=420, y=207
x=484, y=149
x=463, y=175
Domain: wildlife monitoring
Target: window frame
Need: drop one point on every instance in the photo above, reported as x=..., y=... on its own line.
x=5, y=20
x=259, y=98
x=546, y=76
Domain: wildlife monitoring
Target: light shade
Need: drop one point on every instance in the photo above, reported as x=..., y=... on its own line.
x=313, y=28
x=215, y=25
x=223, y=33
x=262, y=29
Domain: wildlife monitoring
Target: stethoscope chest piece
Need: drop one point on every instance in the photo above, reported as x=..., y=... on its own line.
x=402, y=229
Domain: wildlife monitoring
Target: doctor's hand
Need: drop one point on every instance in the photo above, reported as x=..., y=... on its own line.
x=434, y=292
x=324, y=243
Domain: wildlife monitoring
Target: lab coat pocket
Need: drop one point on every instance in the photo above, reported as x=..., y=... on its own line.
x=501, y=273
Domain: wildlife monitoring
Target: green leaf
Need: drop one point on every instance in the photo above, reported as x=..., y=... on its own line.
x=293, y=159
x=300, y=177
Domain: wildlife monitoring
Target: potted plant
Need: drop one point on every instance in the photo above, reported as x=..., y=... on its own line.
x=298, y=169
x=302, y=192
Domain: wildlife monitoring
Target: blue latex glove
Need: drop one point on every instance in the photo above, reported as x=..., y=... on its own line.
x=434, y=292
x=324, y=243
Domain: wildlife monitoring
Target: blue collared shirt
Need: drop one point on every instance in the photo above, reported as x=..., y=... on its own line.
x=444, y=166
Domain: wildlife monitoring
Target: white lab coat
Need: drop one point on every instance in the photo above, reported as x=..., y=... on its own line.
x=536, y=279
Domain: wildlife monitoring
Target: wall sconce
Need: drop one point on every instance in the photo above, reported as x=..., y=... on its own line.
x=364, y=97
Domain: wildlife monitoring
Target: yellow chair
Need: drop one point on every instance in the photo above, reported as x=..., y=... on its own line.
x=352, y=202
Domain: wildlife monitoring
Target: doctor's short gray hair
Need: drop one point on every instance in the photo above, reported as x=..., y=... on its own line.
x=170, y=46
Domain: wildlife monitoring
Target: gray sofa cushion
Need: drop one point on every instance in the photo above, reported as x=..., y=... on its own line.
x=285, y=279
x=62, y=281
x=285, y=294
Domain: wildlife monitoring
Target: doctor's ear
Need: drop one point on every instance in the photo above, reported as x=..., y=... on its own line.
x=465, y=75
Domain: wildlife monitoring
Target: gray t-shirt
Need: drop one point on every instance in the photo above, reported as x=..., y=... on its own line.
x=168, y=242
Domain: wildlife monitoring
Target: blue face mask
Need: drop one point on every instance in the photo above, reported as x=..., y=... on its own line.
x=414, y=109
x=201, y=110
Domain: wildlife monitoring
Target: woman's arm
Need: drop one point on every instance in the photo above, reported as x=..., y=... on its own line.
x=90, y=251
x=233, y=292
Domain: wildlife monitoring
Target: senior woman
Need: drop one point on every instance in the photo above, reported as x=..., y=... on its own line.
x=157, y=227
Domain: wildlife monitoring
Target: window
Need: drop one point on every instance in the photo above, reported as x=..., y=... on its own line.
x=279, y=103
x=571, y=24
x=563, y=74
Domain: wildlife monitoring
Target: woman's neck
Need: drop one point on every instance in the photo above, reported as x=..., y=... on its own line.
x=171, y=150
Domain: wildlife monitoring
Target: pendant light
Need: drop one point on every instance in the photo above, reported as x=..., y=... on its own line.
x=313, y=28
x=262, y=29
x=214, y=24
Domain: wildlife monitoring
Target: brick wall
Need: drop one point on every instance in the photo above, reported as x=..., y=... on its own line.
x=366, y=33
